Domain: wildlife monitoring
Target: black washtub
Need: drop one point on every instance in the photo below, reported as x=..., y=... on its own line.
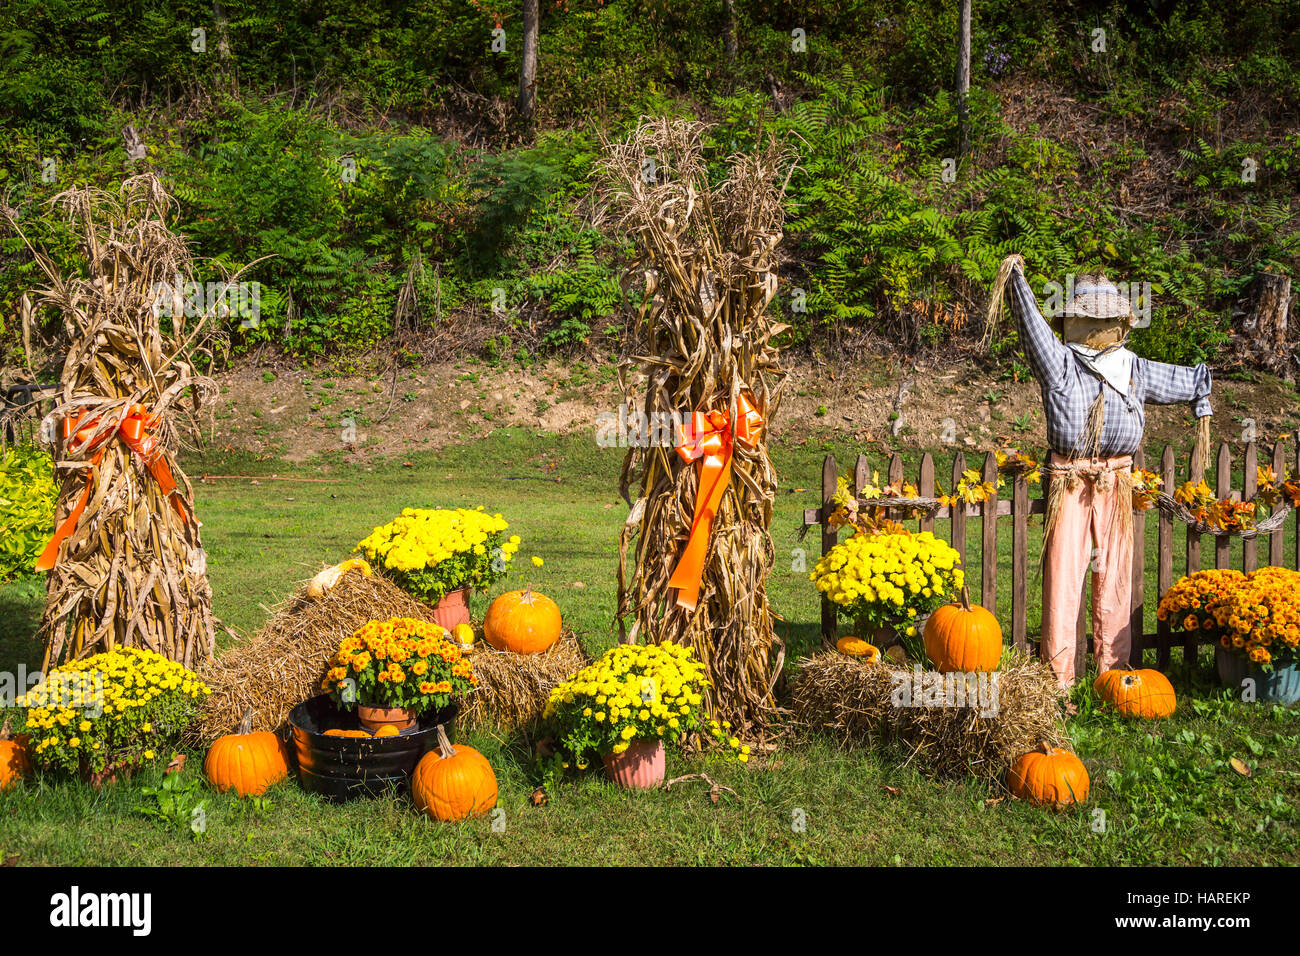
x=340, y=768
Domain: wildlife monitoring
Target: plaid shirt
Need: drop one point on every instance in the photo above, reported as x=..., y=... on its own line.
x=1069, y=388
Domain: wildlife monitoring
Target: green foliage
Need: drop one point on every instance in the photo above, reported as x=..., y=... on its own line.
x=28, y=494
x=177, y=802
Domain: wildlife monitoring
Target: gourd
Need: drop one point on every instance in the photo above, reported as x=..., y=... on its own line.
x=452, y=783
x=320, y=585
x=522, y=621
x=246, y=762
x=857, y=647
x=464, y=634
x=963, y=637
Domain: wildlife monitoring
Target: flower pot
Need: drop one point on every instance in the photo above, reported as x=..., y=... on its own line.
x=1281, y=685
x=453, y=609
x=372, y=718
x=640, y=767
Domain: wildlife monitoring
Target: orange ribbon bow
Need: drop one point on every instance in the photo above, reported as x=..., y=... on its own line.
x=708, y=441
x=136, y=429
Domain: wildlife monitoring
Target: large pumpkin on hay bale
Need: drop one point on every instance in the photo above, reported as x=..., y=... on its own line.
x=963, y=637
x=1049, y=777
x=452, y=783
x=524, y=622
x=14, y=764
x=1145, y=694
x=246, y=762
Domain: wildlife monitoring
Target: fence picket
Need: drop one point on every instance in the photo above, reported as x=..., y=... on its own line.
x=925, y=487
x=1223, y=488
x=1165, y=550
x=1137, y=603
x=989, y=537
x=1020, y=564
x=958, y=529
x=1250, y=485
x=829, y=475
x=1277, y=541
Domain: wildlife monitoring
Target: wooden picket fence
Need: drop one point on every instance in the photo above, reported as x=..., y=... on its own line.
x=1019, y=506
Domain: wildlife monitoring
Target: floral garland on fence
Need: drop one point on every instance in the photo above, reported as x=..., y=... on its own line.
x=1193, y=503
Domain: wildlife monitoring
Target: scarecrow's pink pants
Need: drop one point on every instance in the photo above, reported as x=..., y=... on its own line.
x=1087, y=535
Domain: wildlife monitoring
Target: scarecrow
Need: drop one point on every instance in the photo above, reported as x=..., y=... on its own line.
x=1094, y=391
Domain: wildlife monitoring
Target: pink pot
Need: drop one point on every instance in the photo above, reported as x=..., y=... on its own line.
x=640, y=767
x=453, y=609
x=372, y=718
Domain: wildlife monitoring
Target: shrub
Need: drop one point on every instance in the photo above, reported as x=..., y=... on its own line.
x=28, y=494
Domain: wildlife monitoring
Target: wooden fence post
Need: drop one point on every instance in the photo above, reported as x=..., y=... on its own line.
x=925, y=489
x=1249, y=487
x=989, y=538
x=1277, y=540
x=1223, y=488
x=829, y=539
x=958, y=528
x=1020, y=564
x=1137, y=602
x=1165, y=552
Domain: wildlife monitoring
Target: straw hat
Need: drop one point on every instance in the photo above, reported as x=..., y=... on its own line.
x=1096, y=313
x=1095, y=297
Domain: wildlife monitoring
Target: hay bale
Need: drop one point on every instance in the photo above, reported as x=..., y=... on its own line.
x=513, y=688
x=282, y=665
x=859, y=703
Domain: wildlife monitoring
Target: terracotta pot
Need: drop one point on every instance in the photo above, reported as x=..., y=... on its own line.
x=640, y=767
x=453, y=609
x=372, y=718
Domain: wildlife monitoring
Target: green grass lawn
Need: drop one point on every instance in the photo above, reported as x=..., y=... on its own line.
x=1162, y=793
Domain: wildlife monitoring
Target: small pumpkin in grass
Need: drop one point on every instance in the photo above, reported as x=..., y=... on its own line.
x=1137, y=693
x=14, y=764
x=857, y=647
x=1049, y=777
x=522, y=621
x=246, y=762
x=452, y=783
x=963, y=637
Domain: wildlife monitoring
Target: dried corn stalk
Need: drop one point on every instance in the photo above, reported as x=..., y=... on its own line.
x=707, y=256
x=132, y=571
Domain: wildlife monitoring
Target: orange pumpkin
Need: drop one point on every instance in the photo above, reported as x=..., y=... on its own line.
x=963, y=637
x=388, y=730
x=857, y=647
x=1049, y=777
x=522, y=621
x=246, y=762
x=452, y=783
x=14, y=764
x=1137, y=693
x=333, y=732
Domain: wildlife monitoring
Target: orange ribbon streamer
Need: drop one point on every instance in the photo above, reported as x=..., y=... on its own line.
x=708, y=441
x=136, y=430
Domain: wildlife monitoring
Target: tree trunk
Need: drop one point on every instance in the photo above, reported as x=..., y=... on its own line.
x=528, y=69
x=1265, y=325
x=731, y=44
x=963, y=77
